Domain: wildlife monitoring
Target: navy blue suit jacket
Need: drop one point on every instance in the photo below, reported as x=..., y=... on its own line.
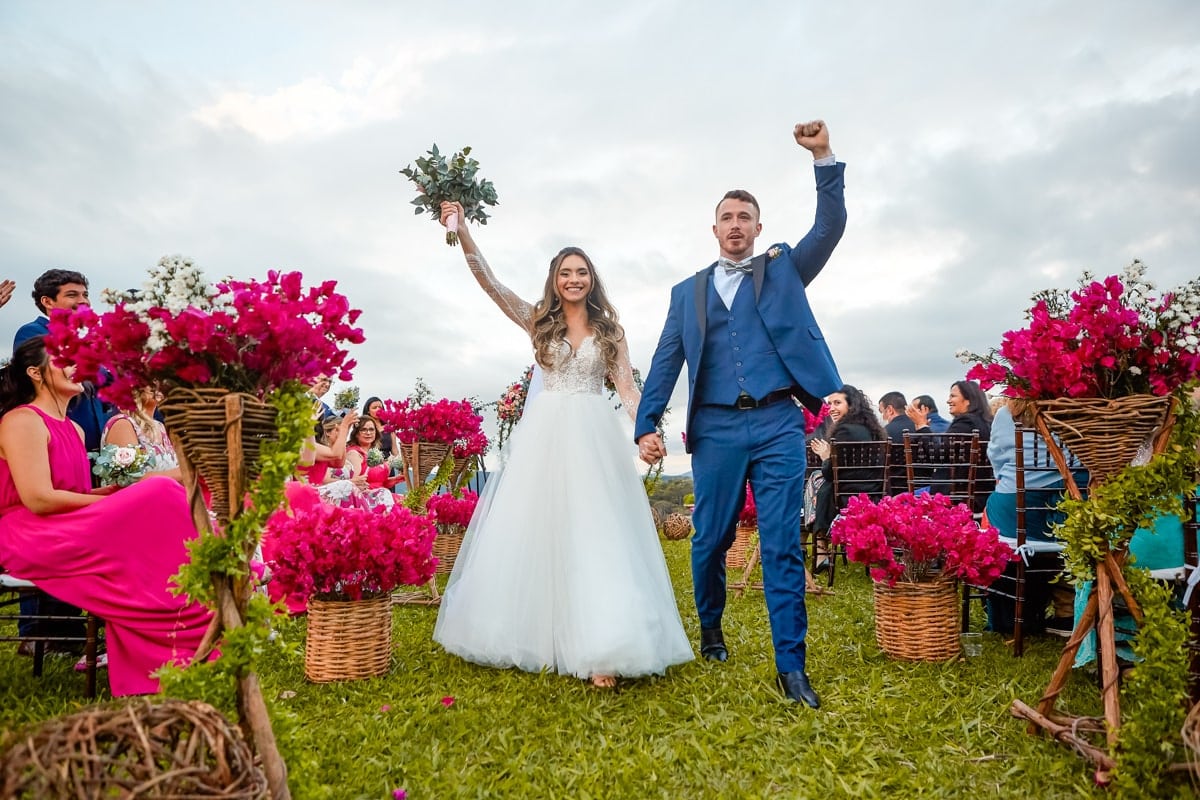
x=779, y=294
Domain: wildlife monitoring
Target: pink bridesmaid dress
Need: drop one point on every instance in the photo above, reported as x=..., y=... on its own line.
x=114, y=558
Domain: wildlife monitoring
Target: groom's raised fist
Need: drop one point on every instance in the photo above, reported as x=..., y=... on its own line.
x=814, y=137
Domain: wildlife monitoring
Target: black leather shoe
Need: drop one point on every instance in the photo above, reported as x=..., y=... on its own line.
x=795, y=687
x=712, y=644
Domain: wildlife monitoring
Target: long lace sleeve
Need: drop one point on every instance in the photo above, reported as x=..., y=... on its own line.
x=516, y=309
x=623, y=379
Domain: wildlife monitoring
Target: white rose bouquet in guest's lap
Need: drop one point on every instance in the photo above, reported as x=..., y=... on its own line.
x=118, y=465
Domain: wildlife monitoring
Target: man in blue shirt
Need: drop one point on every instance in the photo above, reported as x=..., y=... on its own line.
x=64, y=288
x=936, y=422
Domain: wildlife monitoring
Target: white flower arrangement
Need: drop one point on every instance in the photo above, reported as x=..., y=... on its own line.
x=175, y=283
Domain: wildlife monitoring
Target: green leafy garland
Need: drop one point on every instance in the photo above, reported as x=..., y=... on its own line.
x=228, y=554
x=1153, y=698
x=1153, y=707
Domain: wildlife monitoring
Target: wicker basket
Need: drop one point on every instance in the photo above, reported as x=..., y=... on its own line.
x=196, y=420
x=422, y=458
x=735, y=557
x=445, y=546
x=677, y=526
x=164, y=748
x=348, y=639
x=1191, y=739
x=918, y=621
x=1104, y=434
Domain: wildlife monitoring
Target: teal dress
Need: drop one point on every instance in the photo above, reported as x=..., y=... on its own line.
x=1160, y=547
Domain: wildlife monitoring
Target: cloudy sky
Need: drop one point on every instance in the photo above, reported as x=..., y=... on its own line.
x=993, y=149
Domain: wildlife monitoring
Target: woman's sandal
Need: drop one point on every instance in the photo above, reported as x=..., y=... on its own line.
x=604, y=681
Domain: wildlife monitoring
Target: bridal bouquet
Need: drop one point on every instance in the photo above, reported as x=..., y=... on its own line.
x=121, y=466
x=1109, y=338
x=439, y=180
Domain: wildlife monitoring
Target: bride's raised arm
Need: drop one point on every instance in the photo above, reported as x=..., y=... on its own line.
x=622, y=378
x=516, y=309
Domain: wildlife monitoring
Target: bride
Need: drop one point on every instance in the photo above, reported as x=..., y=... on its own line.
x=561, y=566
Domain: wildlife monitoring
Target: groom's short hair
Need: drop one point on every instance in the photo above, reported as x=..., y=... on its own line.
x=744, y=196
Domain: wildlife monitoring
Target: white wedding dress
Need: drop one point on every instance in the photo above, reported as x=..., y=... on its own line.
x=561, y=567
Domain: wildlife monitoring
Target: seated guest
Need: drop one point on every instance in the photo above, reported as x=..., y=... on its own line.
x=1043, y=489
x=388, y=444
x=65, y=289
x=139, y=428
x=327, y=472
x=853, y=421
x=923, y=412
x=86, y=546
x=892, y=408
x=371, y=481
x=972, y=412
x=967, y=404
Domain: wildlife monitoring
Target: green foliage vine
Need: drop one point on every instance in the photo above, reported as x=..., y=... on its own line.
x=216, y=555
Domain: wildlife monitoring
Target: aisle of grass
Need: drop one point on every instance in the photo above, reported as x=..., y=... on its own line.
x=704, y=730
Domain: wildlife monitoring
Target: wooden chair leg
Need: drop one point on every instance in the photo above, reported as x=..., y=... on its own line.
x=91, y=645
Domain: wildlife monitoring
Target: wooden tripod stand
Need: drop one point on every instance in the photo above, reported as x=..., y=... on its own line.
x=1098, y=617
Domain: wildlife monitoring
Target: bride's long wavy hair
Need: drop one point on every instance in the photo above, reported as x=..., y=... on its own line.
x=550, y=325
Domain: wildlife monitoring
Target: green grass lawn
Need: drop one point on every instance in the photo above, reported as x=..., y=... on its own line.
x=886, y=728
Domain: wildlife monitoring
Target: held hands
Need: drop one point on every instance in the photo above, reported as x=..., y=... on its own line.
x=814, y=137
x=651, y=448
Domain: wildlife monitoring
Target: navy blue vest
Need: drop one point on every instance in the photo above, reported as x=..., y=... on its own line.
x=738, y=353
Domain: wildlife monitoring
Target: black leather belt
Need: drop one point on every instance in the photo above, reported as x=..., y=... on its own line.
x=745, y=402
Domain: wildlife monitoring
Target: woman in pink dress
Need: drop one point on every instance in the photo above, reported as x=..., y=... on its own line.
x=373, y=482
x=109, y=552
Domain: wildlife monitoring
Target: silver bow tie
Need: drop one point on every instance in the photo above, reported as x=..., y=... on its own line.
x=742, y=266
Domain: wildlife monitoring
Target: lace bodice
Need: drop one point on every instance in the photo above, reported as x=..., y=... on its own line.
x=579, y=372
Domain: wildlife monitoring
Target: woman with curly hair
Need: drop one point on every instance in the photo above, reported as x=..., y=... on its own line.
x=561, y=567
x=854, y=420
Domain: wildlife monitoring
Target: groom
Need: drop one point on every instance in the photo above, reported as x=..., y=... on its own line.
x=752, y=344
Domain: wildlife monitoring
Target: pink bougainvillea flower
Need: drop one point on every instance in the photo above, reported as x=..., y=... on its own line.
x=1109, y=338
x=447, y=701
x=385, y=708
x=399, y=794
x=919, y=538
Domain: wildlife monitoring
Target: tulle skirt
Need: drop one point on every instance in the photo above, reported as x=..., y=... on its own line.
x=561, y=567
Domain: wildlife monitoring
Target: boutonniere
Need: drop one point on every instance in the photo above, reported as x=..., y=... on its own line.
x=774, y=252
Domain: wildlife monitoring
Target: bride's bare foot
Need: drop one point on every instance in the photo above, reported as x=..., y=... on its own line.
x=604, y=681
